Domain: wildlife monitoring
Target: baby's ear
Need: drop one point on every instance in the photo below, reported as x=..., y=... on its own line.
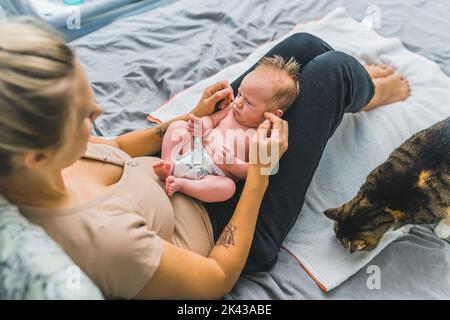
x=279, y=113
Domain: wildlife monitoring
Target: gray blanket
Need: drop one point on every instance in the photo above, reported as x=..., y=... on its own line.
x=138, y=63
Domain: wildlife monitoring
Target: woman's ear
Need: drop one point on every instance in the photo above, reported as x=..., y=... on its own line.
x=35, y=159
x=279, y=113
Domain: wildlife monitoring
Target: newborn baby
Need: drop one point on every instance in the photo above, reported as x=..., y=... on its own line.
x=203, y=157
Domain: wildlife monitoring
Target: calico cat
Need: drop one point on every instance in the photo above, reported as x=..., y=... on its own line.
x=411, y=187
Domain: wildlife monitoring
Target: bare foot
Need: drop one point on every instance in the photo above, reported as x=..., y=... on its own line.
x=389, y=90
x=379, y=70
x=173, y=185
x=162, y=169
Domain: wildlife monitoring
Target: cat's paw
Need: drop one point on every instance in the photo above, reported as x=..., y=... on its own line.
x=405, y=229
x=442, y=230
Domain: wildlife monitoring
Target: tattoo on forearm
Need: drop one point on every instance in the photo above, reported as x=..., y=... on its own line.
x=227, y=237
x=161, y=130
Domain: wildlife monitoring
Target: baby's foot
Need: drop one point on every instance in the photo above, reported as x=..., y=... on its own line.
x=173, y=185
x=162, y=169
x=379, y=70
x=388, y=90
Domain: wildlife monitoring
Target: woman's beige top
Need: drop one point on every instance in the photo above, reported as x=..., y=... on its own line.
x=116, y=237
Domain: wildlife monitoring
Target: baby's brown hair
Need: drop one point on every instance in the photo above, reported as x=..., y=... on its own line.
x=285, y=95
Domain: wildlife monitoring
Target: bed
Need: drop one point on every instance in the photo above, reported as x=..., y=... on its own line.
x=91, y=14
x=138, y=63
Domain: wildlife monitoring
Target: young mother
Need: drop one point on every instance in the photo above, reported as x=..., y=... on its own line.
x=104, y=205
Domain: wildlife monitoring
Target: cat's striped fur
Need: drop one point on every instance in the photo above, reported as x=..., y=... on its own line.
x=411, y=187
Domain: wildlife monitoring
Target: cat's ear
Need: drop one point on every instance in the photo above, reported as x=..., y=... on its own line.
x=332, y=214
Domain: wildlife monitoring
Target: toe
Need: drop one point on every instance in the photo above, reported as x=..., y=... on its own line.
x=171, y=188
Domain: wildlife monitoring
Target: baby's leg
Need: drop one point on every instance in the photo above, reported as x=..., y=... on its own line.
x=209, y=189
x=176, y=138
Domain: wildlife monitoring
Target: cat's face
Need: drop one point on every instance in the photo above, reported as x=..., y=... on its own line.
x=360, y=224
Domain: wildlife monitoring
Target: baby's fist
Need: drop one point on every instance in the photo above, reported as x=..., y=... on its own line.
x=194, y=125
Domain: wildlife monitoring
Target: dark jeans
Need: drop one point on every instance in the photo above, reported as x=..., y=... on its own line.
x=331, y=83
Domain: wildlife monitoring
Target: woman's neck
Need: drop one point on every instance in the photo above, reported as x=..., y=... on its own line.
x=45, y=190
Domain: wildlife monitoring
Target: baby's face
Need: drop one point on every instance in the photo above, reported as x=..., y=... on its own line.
x=255, y=97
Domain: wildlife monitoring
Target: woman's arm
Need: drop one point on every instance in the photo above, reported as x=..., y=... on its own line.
x=184, y=274
x=141, y=142
x=146, y=142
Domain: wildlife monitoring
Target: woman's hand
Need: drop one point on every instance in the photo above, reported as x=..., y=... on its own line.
x=220, y=92
x=268, y=145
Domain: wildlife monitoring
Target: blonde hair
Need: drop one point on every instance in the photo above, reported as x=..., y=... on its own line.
x=284, y=95
x=36, y=76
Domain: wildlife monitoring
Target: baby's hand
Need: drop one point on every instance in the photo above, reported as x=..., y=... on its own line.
x=224, y=155
x=194, y=125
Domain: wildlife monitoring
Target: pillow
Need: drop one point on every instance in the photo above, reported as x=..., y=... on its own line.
x=33, y=266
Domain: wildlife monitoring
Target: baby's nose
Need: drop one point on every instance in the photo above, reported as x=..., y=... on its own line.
x=238, y=102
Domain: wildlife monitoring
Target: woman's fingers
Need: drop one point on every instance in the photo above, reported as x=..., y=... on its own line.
x=220, y=94
x=279, y=133
x=281, y=125
x=219, y=86
x=263, y=130
x=228, y=98
x=276, y=122
x=221, y=97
